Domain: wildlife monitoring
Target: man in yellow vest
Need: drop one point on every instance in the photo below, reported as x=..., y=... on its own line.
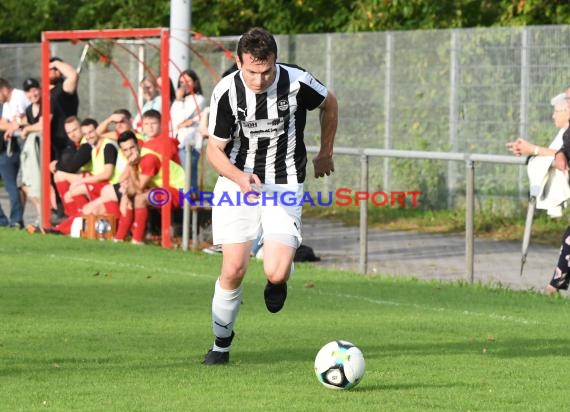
x=106, y=166
x=144, y=174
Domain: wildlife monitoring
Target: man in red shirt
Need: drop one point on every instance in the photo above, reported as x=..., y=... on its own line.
x=144, y=173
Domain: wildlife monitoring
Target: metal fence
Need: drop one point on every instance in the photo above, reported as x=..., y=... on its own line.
x=468, y=159
x=457, y=91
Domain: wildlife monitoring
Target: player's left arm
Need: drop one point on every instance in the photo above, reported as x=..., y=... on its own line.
x=70, y=75
x=323, y=161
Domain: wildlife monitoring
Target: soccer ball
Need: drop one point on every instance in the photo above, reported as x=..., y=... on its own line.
x=339, y=365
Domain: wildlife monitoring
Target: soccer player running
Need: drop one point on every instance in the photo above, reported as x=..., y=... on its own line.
x=256, y=126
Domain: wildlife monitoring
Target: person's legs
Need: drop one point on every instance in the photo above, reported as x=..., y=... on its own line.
x=182, y=155
x=3, y=218
x=234, y=227
x=278, y=254
x=9, y=166
x=281, y=226
x=194, y=168
x=560, y=279
x=140, y=214
x=227, y=300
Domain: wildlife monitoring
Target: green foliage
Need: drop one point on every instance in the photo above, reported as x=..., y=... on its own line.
x=24, y=20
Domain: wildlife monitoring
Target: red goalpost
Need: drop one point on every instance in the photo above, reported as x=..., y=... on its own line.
x=76, y=36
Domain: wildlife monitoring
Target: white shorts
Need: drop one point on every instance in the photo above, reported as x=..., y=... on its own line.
x=236, y=222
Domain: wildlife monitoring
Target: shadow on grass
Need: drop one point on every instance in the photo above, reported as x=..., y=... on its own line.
x=508, y=349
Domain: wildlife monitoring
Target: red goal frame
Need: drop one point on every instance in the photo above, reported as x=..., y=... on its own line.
x=75, y=36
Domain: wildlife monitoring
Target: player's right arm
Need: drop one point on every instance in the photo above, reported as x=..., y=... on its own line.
x=221, y=127
x=219, y=160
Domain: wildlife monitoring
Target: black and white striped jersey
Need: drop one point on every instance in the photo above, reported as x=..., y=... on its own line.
x=265, y=131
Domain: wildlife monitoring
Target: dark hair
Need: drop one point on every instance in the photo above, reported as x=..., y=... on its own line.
x=55, y=59
x=5, y=83
x=89, y=122
x=124, y=112
x=127, y=135
x=30, y=83
x=259, y=43
x=71, y=119
x=153, y=114
x=192, y=74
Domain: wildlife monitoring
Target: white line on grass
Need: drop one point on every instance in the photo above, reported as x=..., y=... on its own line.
x=494, y=316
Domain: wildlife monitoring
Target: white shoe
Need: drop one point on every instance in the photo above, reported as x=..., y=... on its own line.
x=214, y=250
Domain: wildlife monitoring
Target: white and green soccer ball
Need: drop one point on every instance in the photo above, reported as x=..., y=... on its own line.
x=339, y=365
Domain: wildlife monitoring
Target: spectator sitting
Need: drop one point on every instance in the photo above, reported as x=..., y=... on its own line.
x=121, y=119
x=84, y=186
x=145, y=172
x=152, y=132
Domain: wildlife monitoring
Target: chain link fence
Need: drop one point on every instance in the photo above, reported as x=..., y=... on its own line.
x=465, y=91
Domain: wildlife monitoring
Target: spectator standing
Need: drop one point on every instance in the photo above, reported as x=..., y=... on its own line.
x=186, y=112
x=152, y=100
x=31, y=137
x=64, y=101
x=14, y=103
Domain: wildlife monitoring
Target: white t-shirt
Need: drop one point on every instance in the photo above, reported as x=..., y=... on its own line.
x=191, y=107
x=16, y=106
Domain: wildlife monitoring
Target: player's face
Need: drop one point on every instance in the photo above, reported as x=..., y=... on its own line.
x=187, y=83
x=3, y=94
x=148, y=89
x=54, y=75
x=257, y=74
x=151, y=127
x=73, y=131
x=33, y=95
x=131, y=151
x=123, y=125
x=89, y=133
x=560, y=117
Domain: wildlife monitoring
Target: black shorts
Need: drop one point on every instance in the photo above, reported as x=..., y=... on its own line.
x=117, y=186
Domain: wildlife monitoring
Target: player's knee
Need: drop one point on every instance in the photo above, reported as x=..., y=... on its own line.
x=276, y=274
x=141, y=200
x=234, y=268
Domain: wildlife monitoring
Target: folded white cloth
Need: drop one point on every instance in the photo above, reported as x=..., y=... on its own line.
x=548, y=184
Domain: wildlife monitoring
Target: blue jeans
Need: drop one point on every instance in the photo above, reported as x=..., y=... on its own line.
x=9, y=166
x=195, y=157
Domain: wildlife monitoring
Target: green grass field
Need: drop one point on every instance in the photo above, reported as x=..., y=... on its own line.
x=97, y=326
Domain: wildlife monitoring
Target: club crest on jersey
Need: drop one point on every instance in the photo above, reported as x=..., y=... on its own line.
x=282, y=105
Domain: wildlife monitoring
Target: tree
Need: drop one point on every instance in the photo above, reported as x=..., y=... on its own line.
x=24, y=20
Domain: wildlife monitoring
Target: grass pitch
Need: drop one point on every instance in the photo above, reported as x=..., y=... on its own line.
x=97, y=326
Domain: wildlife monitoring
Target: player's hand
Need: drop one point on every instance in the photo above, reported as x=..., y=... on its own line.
x=323, y=164
x=249, y=183
x=180, y=93
x=52, y=166
x=117, y=118
x=560, y=161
